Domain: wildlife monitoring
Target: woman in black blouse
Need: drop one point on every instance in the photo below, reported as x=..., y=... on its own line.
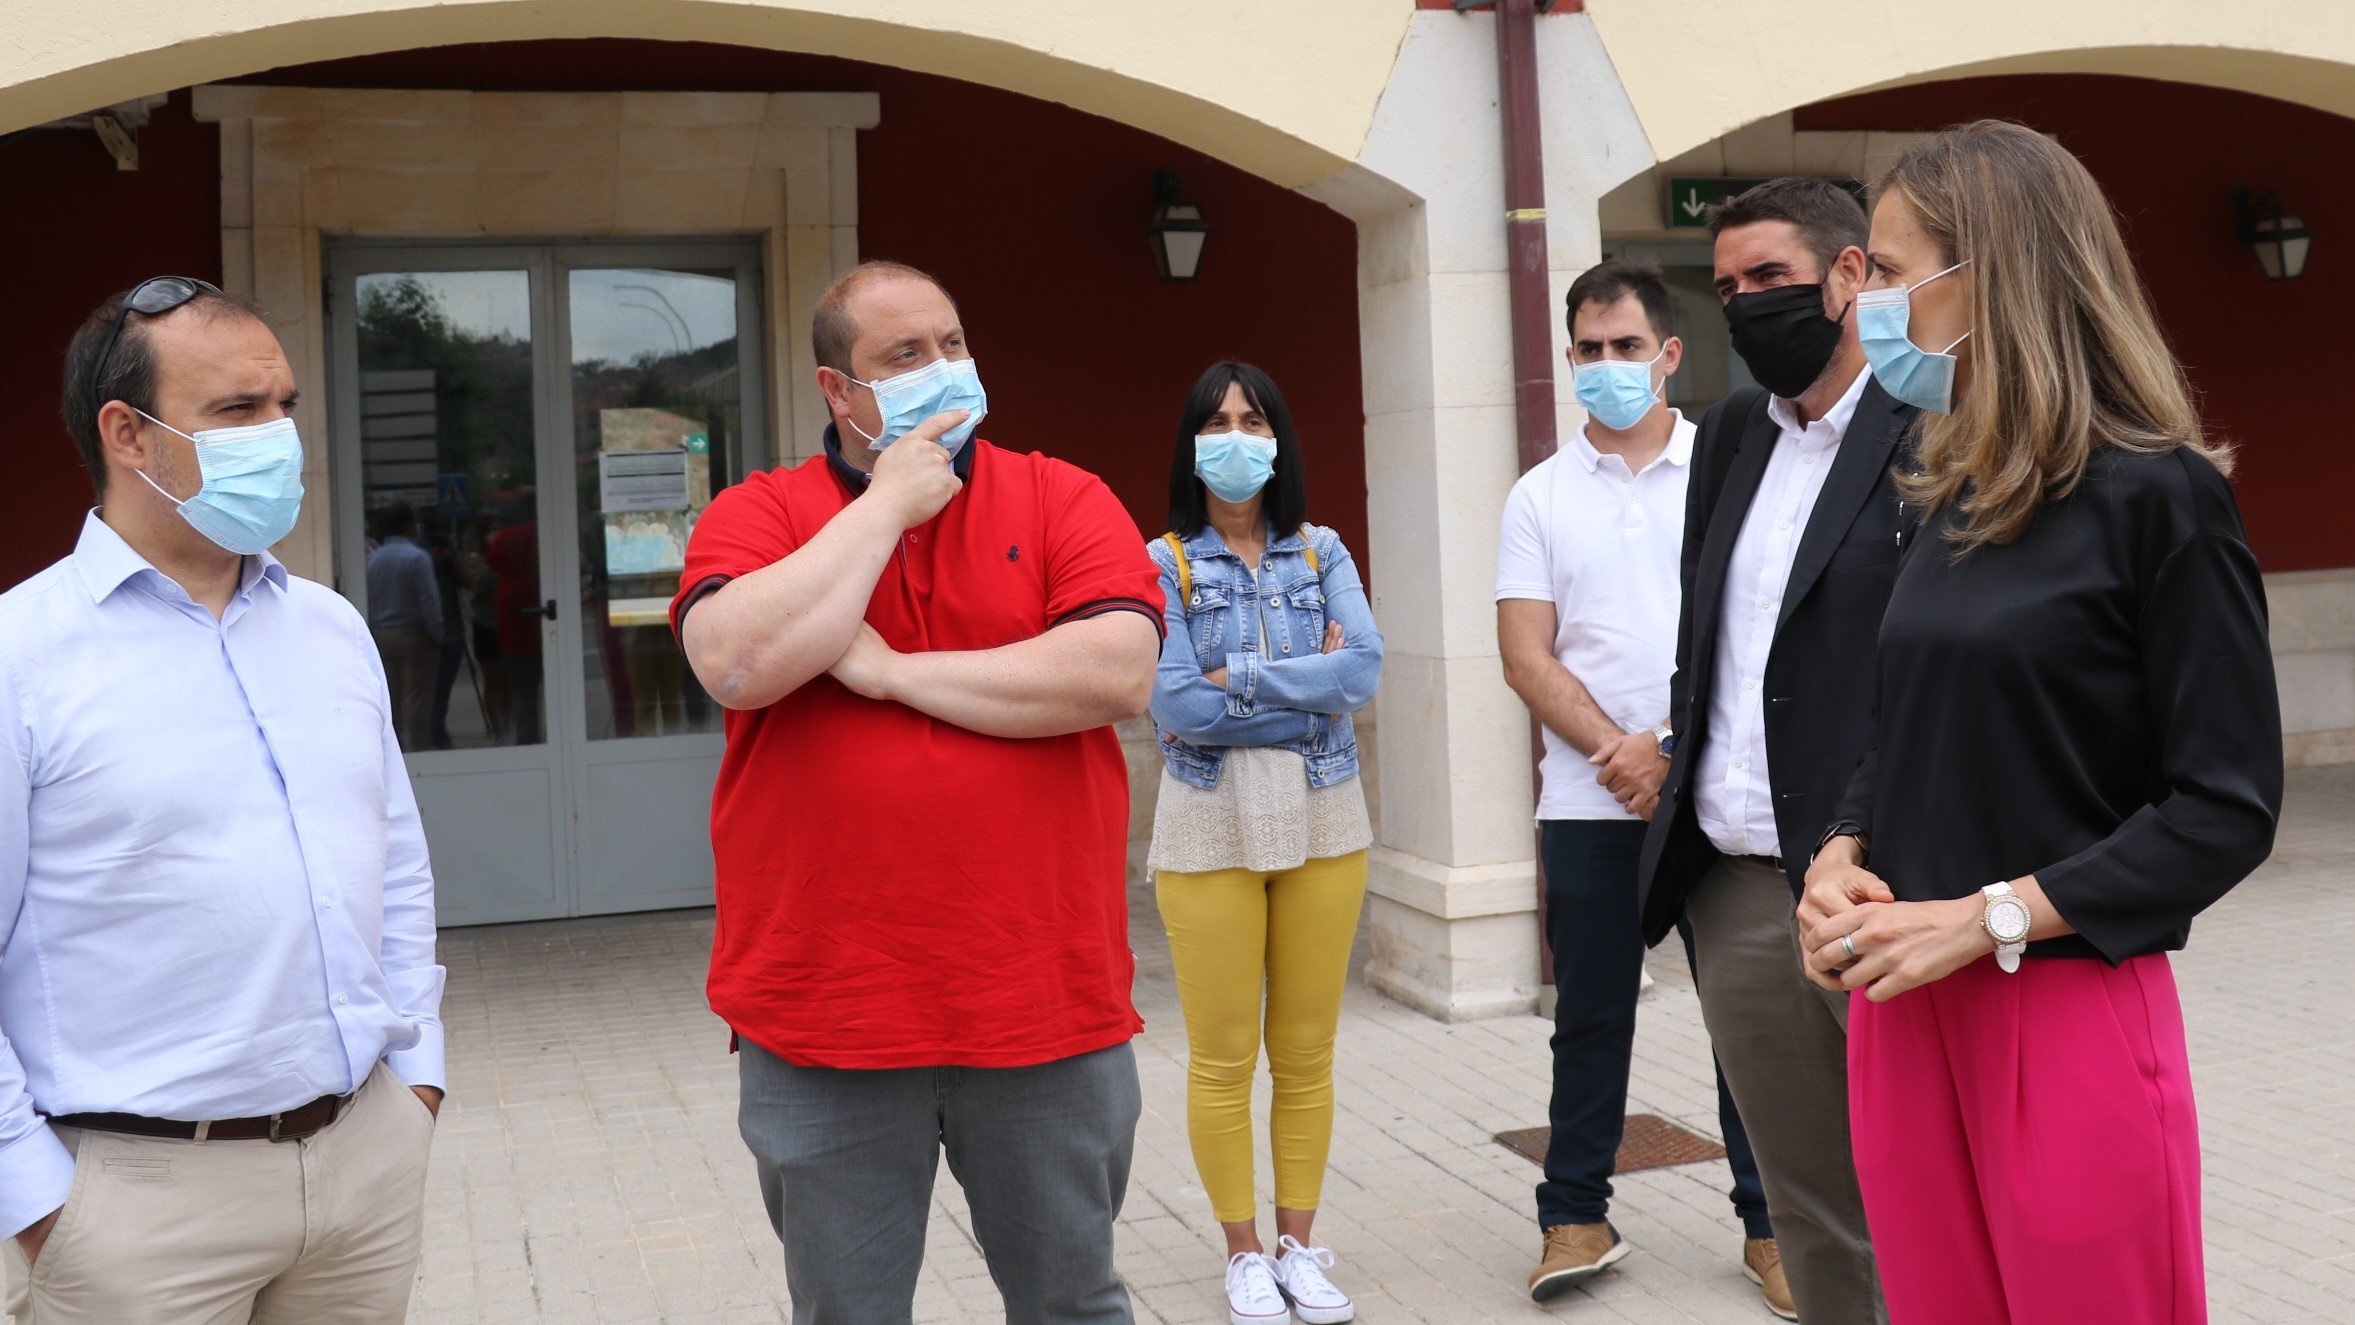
x=2079, y=748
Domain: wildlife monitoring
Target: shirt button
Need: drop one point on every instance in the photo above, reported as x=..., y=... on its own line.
x=1738, y=763
x=1765, y=603
x=329, y=903
x=1784, y=526
x=1811, y=460
x=1749, y=685
x=342, y=999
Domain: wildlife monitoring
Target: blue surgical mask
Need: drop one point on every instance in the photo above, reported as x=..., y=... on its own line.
x=1617, y=392
x=912, y=397
x=1921, y=378
x=253, y=483
x=1234, y=465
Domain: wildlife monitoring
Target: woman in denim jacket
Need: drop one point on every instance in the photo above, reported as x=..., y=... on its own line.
x=1260, y=838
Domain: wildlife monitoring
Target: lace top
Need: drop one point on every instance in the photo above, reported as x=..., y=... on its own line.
x=1262, y=816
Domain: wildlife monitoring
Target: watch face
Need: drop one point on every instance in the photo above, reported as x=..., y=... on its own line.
x=2007, y=920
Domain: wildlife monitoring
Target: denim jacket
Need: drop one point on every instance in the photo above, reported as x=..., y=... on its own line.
x=1286, y=693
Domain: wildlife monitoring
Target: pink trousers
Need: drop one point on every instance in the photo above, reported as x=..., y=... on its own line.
x=2028, y=1148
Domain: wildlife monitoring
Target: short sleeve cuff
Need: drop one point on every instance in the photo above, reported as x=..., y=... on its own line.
x=421, y=1063
x=36, y=1175
x=1535, y=593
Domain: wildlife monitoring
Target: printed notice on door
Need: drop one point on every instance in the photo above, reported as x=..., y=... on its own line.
x=642, y=480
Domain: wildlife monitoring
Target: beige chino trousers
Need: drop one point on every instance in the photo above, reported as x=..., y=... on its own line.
x=322, y=1231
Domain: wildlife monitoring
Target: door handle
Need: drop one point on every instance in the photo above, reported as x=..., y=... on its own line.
x=547, y=609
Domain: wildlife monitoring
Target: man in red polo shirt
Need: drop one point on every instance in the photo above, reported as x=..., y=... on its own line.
x=921, y=825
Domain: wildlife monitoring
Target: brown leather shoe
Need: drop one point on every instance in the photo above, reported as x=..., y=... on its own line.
x=1573, y=1254
x=1762, y=1264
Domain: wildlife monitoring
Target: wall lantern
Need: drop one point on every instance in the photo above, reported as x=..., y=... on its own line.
x=1178, y=229
x=2278, y=238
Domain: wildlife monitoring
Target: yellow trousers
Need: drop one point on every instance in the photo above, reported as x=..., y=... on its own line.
x=1231, y=934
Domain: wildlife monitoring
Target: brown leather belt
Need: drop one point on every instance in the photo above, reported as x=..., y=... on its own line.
x=293, y=1125
x=1774, y=863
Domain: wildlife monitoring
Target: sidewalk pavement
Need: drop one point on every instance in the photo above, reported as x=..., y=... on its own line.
x=588, y=1167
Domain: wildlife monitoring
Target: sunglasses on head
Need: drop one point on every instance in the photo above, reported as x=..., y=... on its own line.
x=152, y=297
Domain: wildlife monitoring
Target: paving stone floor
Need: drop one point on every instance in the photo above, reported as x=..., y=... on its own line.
x=588, y=1167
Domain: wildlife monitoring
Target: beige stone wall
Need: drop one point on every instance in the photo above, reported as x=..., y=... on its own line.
x=1284, y=88
x=2314, y=657
x=1697, y=70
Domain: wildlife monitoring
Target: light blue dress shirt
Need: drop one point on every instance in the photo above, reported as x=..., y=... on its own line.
x=214, y=895
x=402, y=591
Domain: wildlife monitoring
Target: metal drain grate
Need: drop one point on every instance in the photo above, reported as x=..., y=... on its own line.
x=1650, y=1142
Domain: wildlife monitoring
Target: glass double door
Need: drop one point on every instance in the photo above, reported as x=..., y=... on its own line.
x=524, y=439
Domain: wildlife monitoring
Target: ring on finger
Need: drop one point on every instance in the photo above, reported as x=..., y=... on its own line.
x=1848, y=942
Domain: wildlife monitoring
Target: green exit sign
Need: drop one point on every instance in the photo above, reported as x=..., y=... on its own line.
x=1691, y=196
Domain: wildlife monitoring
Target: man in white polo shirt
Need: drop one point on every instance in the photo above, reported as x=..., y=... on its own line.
x=1587, y=593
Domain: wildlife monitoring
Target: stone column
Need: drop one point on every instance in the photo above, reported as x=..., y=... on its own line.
x=1452, y=899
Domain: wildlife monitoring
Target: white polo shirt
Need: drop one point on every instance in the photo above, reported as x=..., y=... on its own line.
x=1601, y=543
x=1733, y=801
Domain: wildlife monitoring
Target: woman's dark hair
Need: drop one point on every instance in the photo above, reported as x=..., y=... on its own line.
x=1285, y=499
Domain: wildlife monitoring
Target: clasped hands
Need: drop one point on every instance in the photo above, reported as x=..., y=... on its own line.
x=1898, y=945
x=1631, y=767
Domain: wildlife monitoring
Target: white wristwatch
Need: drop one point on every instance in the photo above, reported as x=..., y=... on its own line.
x=2006, y=920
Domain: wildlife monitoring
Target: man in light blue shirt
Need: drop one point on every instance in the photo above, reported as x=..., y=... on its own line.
x=220, y=1040
x=405, y=617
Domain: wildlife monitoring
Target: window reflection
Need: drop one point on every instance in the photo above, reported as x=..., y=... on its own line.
x=448, y=475
x=657, y=403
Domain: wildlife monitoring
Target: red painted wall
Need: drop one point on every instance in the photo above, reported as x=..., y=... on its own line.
x=2269, y=358
x=1032, y=214
x=75, y=230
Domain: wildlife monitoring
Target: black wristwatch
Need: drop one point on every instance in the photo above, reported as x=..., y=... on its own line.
x=1847, y=828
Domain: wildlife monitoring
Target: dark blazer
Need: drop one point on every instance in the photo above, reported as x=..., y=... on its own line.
x=1819, y=670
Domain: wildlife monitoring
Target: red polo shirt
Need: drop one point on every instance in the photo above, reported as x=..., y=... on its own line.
x=895, y=891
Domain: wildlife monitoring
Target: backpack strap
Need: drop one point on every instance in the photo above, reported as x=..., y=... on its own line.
x=1185, y=573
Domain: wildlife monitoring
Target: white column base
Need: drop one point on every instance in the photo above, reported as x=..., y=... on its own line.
x=1457, y=943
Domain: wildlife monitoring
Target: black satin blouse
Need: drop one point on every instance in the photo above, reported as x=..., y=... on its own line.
x=2093, y=704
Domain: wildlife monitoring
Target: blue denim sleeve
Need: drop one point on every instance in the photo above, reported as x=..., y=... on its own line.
x=1342, y=681
x=1185, y=702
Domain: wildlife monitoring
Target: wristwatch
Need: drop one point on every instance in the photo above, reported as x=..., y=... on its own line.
x=2006, y=920
x=1665, y=739
x=1846, y=828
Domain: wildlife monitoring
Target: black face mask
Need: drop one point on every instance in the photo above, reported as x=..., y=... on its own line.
x=1783, y=336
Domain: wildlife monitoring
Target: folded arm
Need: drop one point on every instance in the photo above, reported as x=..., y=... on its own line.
x=1077, y=676
x=1338, y=682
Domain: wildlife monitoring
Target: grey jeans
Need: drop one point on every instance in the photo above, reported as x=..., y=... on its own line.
x=1783, y=1044
x=847, y=1160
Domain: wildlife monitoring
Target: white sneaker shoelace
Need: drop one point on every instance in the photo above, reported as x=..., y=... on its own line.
x=1301, y=1271
x=1251, y=1288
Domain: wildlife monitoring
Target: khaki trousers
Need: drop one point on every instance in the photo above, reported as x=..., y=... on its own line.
x=323, y=1231
x=1783, y=1044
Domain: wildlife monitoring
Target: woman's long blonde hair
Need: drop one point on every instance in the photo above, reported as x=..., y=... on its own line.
x=2065, y=354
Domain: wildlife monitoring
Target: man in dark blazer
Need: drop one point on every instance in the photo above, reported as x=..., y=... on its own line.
x=1792, y=534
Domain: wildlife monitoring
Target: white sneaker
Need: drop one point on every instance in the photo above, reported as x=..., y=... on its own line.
x=1644, y=980
x=1252, y=1295
x=1300, y=1272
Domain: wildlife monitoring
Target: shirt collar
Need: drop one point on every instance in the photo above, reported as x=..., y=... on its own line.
x=1207, y=542
x=1836, y=418
x=856, y=480
x=105, y=562
x=1679, y=452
